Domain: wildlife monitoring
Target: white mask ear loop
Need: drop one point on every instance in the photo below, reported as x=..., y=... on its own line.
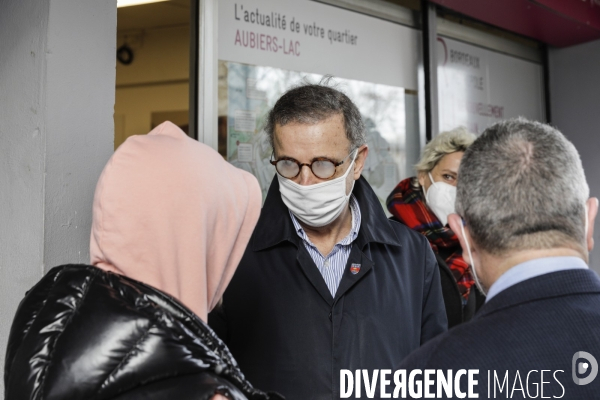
x=462, y=229
x=432, y=183
x=477, y=282
x=352, y=162
x=586, y=221
x=351, y=167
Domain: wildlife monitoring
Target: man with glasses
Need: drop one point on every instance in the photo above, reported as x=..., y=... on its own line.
x=327, y=281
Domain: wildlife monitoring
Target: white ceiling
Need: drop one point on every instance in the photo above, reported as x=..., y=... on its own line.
x=147, y=16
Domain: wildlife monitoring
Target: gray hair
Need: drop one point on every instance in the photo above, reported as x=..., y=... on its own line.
x=448, y=142
x=313, y=103
x=522, y=186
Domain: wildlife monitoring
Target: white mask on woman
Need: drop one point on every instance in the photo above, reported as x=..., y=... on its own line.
x=319, y=204
x=440, y=198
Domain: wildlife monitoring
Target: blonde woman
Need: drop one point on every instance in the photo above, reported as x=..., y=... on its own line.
x=424, y=202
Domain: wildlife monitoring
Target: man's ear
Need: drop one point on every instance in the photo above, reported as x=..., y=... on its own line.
x=592, y=212
x=359, y=162
x=455, y=222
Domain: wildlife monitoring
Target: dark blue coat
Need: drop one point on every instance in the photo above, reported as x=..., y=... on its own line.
x=535, y=325
x=290, y=335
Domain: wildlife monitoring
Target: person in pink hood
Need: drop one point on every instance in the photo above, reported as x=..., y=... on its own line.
x=171, y=220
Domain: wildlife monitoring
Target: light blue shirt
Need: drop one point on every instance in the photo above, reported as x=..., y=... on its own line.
x=332, y=265
x=531, y=269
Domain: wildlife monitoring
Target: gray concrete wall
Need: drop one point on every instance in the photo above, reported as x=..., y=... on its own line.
x=575, y=111
x=57, y=92
x=22, y=144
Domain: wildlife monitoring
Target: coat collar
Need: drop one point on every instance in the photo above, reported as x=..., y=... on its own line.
x=275, y=225
x=551, y=285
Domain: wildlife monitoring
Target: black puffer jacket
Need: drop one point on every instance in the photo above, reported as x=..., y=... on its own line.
x=83, y=333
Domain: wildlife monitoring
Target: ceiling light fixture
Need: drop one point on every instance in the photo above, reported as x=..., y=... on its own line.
x=127, y=3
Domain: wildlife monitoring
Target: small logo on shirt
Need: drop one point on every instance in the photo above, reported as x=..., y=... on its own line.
x=355, y=269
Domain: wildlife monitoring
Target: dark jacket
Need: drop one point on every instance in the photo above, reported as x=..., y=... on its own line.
x=538, y=324
x=83, y=333
x=291, y=336
x=456, y=312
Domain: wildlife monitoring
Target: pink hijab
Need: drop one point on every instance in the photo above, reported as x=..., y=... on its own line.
x=170, y=212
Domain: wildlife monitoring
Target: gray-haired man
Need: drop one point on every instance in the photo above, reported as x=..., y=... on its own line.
x=327, y=282
x=528, y=227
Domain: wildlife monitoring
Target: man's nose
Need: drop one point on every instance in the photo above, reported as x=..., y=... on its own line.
x=306, y=176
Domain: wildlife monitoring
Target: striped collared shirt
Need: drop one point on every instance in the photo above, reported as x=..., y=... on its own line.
x=332, y=266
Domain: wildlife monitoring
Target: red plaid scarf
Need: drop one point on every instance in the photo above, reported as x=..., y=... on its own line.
x=406, y=204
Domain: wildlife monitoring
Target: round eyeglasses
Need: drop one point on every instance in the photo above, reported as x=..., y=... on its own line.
x=321, y=167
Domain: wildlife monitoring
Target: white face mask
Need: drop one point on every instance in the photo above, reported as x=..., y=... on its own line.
x=477, y=281
x=316, y=205
x=440, y=198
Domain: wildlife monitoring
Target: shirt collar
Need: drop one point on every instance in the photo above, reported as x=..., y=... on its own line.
x=531, y=269
x=356, y=219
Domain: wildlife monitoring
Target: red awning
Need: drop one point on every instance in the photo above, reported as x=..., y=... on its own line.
x=558, y=23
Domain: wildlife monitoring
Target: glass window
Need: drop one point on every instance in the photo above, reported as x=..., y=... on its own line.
x=267, y=47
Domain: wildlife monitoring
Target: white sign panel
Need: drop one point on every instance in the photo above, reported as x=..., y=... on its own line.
x=244, y=151
x=245, y=121
x=303, y=35
x=478, y=87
